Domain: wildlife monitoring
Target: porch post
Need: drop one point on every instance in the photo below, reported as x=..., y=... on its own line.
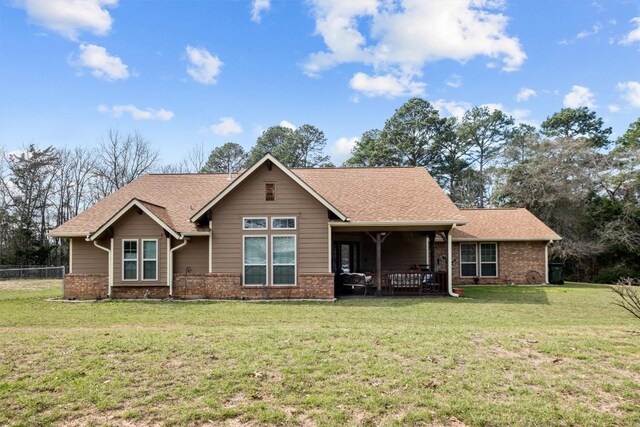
x=379, y=264
x=379, y=239
x=432, y=250
x=450, y=264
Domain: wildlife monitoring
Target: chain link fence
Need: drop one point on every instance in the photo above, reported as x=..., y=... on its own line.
x=16, y=272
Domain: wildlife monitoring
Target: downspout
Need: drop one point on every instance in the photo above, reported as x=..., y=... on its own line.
x=70, y=255
x=210, y=246
x=546, y=262
x=170, y=278
x=109, y=251
x=450, y=265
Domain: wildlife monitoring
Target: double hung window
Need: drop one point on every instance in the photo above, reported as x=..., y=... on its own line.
x=149, y=260
x=255, y=260
x=283, y=260
x=130, y=260
x=478, y=260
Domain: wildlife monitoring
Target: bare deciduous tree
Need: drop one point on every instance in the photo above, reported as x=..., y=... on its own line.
x=120, y=159
x=628, y=290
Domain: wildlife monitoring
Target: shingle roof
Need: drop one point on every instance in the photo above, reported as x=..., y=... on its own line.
x=175, y=197
x=401, y=195
x=383, y=194
x=502, y=224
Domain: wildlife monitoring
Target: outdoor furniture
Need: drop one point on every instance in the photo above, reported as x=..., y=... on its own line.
x=357, y=281
x=413, y=282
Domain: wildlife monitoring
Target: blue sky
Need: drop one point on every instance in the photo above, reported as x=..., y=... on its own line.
x=184, y=73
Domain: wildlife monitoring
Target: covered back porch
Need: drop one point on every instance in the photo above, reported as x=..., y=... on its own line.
x=390, y=261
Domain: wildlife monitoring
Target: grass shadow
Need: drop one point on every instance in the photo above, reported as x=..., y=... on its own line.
x=506, y=295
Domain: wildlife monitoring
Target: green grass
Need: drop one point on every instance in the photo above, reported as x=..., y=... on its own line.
x=500, y=356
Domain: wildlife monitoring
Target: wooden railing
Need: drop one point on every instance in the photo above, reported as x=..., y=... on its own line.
x=414, y=282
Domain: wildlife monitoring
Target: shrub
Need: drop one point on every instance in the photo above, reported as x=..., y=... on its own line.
x=628, y=290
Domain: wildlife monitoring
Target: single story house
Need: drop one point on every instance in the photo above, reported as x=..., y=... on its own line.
x=274, y=232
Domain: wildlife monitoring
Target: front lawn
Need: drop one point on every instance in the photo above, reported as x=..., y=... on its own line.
x=500, y=356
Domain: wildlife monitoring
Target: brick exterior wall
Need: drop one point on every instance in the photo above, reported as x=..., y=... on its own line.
x=86, y=286
x=199, y=286
x=140, y=292
x=515, y=260
x=229, y=286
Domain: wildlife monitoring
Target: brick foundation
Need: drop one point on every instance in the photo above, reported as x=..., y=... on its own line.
x=140, y=292
x=86, y=286
x=515, y=260
x=229, y=286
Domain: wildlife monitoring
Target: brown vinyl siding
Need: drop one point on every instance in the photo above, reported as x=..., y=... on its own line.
x=194, y=256
x=399, y=251
x=134, y=225
x=248, y=200
x=87, y=259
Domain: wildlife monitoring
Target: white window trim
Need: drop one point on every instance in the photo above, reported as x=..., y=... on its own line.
x=295, y=222
x=266, y=265
x=476, y=262
x=156, y=259
x=480, y=262
x=131, y=260
x=266, y=223
x=295, y=260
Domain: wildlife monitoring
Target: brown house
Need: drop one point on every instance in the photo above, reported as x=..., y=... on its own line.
x=273, y=232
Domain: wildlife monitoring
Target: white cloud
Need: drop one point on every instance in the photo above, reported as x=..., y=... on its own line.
x=579, y=96
x=341, y=149
x=519, y=115
x=452, y=108
x=595, y=29
x=454, y=81
x=226, y=126
x=386, y=85
x=136, y=113
x=102, y=64
x=613, y=108
x=630, y=92
x=204, y=67
x=525, y=93
x=403, y=36
x=634, y=35
x=286, y=124
x=258, y=7
x=69, y=17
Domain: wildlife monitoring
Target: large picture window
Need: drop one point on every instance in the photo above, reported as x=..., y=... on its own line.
x=255, y=260
x=283, y=259
x=468, y=260
x=149, y=260
x=130, y=260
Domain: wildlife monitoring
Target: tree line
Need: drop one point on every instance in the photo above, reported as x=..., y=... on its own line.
x=568, y=172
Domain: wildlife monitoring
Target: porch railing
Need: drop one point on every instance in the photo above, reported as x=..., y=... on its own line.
x=414, y=282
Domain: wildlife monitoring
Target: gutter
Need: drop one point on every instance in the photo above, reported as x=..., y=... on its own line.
x=170, y=272
x=110, y=252
x=450, y=265
x=395, y=223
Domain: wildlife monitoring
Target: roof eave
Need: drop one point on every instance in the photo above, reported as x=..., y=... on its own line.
x=125, y=209
x=506, y=239
x=62, y=235
x=396, y=223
